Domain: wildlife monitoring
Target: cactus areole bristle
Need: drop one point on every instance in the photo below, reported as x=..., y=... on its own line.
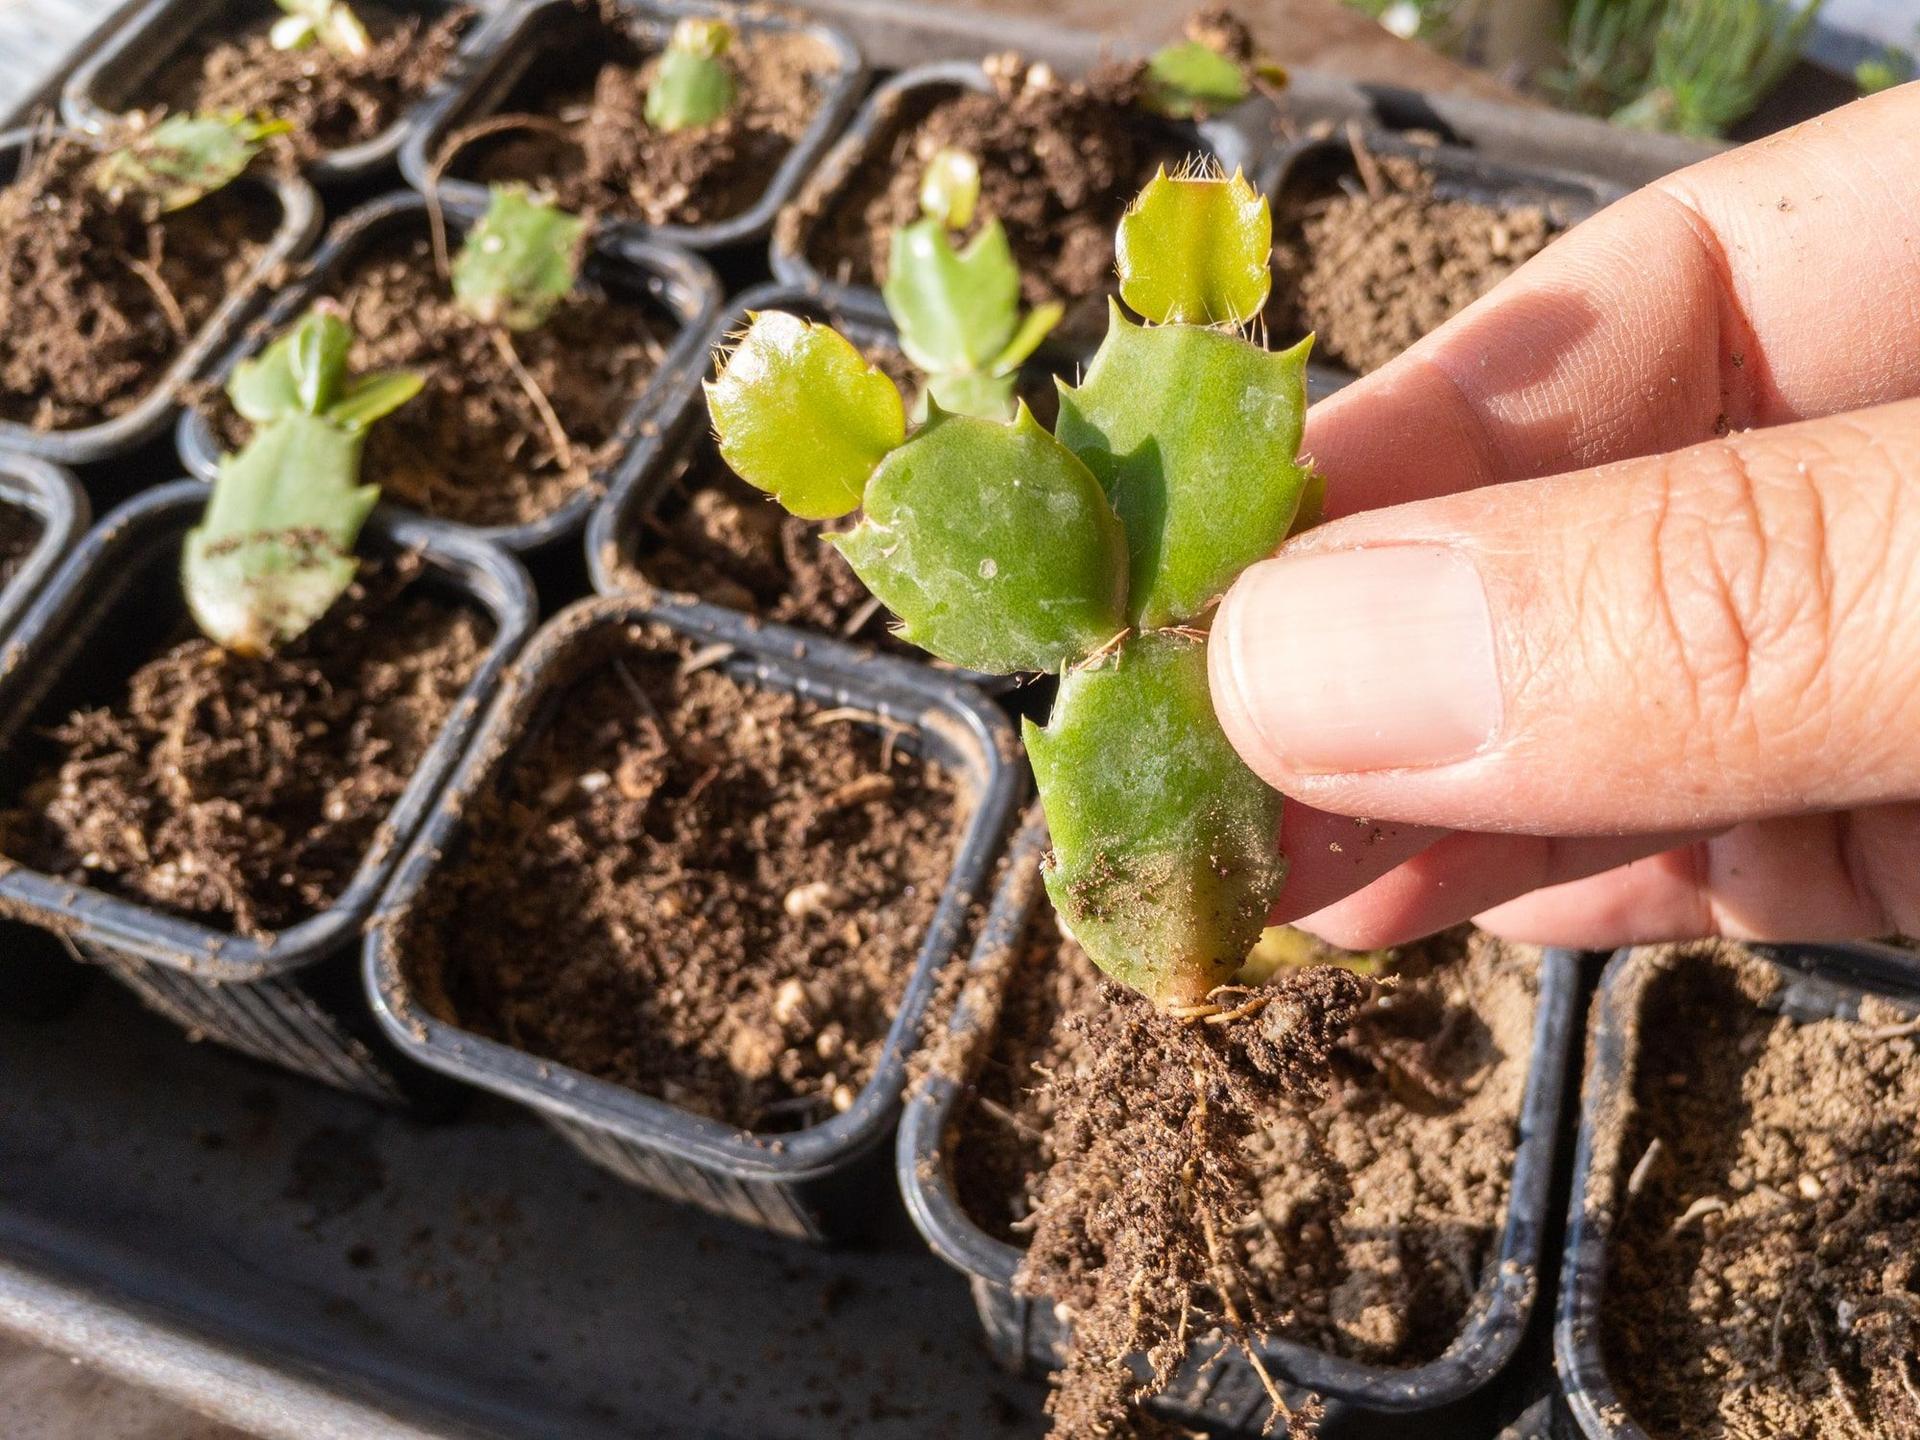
x=1096, y=551
x=275, y=547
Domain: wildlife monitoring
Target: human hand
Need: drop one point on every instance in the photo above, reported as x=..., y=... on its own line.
x=1668, y=691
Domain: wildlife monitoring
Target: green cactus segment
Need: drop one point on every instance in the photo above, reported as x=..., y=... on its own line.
x=520, y=261
x=332, y=23
x=694, y=85
x=1190, y=79
x=275, y=547
x=800, y=414
x=1194, y=434
x=958, y=312
x=1165, y=860
x=1195, y=249
x=183, y=159
x=950, y=190
x=993, y=545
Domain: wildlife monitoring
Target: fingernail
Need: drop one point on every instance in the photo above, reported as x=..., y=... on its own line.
x=1370, y=659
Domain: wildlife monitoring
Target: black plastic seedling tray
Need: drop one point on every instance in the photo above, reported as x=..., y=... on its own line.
x=528, y=31
x=677, y=284
x=1822, y=982
x=298, y=224
x=121, y=74
x=809, y=1184
x=1446, y=1396
x=309, y=1267
x=291, y=997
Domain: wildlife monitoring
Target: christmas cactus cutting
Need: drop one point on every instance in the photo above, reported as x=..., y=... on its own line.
x=1096, y=552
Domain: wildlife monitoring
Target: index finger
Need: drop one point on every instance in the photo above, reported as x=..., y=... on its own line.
x=1774, y=283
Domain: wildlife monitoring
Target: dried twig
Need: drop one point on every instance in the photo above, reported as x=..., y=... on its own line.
x=563, y=447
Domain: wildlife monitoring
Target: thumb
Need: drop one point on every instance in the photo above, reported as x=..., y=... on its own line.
x=1673, y=643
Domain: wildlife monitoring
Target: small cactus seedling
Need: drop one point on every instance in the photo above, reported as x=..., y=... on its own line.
x=958, y=307
x=1096, y=552
x=275, y=547
x=1192, y=78
x=519, y=261
x=694, y=85
x=183, y=159
x=331, y=24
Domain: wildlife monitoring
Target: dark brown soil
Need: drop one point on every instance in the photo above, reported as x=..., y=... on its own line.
x=1058, y=163
x=1371, y=270
x=332, y=101
x=20, y=531
x=245, y=793
x=473, y=446
x=707, y=892
x=1765, y=1275
x=98, y=299
x=715, y=536
x=588, y=142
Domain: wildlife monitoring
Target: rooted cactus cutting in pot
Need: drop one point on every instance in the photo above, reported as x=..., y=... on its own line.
x=340, y=73
x=1055, y=156
x=116, y=256
x=1097, y=552
x=531, y=361
x=680, y=133
x=237, y=776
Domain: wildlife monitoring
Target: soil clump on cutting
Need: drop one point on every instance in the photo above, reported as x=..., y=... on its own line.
x=244, y=793
x=1359, y=1220
x=1373, y=266
x=575, y=125
x=332, y=101
x=98, y=298
x=705, y=891
x=475, y=446
x=1764, y=1277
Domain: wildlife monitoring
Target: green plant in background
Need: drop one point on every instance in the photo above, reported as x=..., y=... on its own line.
x=1096, y=552
x=330, y=24
x=693, y=85
x=1192, y=78
x=275, y=547
x=519, y=261
x=1892, y=66
x=958, y=307
x=1693, y=66
x=183, y=159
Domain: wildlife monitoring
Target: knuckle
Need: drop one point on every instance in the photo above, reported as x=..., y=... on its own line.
x=1742, y=593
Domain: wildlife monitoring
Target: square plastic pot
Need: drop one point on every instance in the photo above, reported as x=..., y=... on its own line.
x=1224, y=1393
x=56, y=501
x=299, y=223
x=119, y=76
x=1318, y=166
x=811, y=1184
x=679, y=284
x=528, y=31
x=887, y=117
x=36, y=978
x=291, y=997
x=1822, y=982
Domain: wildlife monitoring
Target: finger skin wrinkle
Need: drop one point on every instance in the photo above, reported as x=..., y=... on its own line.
x=1741, y=361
